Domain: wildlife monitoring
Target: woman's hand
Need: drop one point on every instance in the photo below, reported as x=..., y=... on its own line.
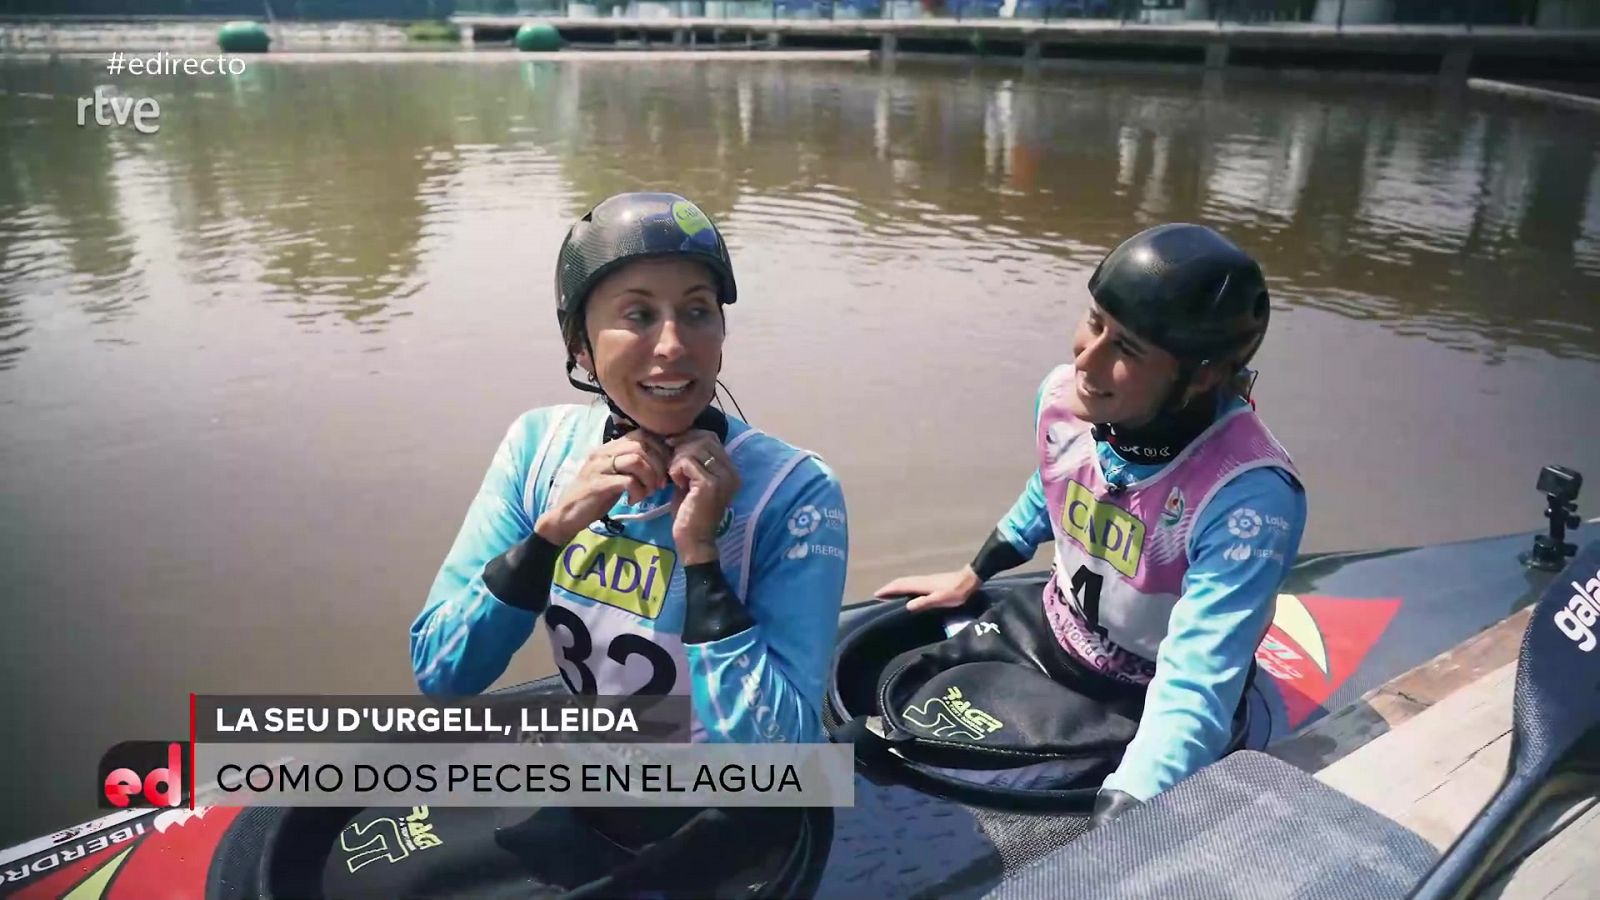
x=707, y=481
x=938, y=591
x=635, y=464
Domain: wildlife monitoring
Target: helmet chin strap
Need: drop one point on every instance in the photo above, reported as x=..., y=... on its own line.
x=590, y=387
x=1175, y=426
x=620, y=423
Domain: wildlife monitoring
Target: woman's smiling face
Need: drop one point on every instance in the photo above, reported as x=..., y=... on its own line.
x=656, y=331
x=1122, y=379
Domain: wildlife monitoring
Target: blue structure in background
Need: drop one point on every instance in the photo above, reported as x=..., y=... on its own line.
x=963, y=9
x=974, y=9
x=1067, y=9
x=806, y=9
x=325, y=10
x=860, y=9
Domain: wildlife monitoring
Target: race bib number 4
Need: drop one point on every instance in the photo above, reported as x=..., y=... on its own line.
x=1104, y=531
x=614, y=570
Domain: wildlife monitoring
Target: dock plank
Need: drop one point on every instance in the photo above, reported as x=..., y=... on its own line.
x=1541, y=95
x=1437, y=769
x=1566, y=868
x=1436, y=772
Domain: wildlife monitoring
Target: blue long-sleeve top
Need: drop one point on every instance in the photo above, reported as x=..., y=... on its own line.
x=619, y=607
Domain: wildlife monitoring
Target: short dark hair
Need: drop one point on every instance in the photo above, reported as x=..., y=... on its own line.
x=572, y=333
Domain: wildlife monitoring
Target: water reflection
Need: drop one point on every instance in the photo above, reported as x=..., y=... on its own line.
x=326, y=188
x=64, y=242
x=309, y=190
x=911, y=243
x=1418, y=210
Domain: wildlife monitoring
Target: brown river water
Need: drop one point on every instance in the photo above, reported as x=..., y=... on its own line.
x=253, y=366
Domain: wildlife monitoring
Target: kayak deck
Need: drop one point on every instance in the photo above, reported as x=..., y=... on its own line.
x=1351, y=632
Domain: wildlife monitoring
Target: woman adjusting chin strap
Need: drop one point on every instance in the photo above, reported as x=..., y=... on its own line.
x=669, y=548
x=1173, y=511
x=623, y=232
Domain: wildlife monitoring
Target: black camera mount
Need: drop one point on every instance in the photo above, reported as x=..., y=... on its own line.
x=1560, y=486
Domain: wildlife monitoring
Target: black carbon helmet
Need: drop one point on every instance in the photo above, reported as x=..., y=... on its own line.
x=634, y=226
x=1188, y=290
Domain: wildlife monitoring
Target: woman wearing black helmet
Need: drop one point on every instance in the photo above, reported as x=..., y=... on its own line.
x=670, y=548
x=1174, y=512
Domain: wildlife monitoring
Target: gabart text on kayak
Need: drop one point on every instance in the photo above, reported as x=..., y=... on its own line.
x=1578, y=620
x=431, y=720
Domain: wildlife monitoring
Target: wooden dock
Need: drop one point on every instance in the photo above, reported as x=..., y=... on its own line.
x=1452, y=52
x=1538, y=95
x=1429, y=749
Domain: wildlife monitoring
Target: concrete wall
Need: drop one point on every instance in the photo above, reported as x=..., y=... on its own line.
x=1569, y=14
x=1191, y=11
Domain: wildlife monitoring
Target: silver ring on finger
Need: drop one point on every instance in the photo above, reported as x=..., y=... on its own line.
x=708, y=461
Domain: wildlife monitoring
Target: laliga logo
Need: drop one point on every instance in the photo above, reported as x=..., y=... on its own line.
x=1583, y=610
x=142, y=774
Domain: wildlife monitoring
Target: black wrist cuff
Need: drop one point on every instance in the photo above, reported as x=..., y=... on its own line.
x=521, y=576
x=714, y=612
x=995, y=557
x=1109, y=805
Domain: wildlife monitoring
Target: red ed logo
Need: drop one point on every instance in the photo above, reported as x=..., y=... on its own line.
x=143, y=774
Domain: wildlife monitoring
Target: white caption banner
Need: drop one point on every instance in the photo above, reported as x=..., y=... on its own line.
x=779, y=775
